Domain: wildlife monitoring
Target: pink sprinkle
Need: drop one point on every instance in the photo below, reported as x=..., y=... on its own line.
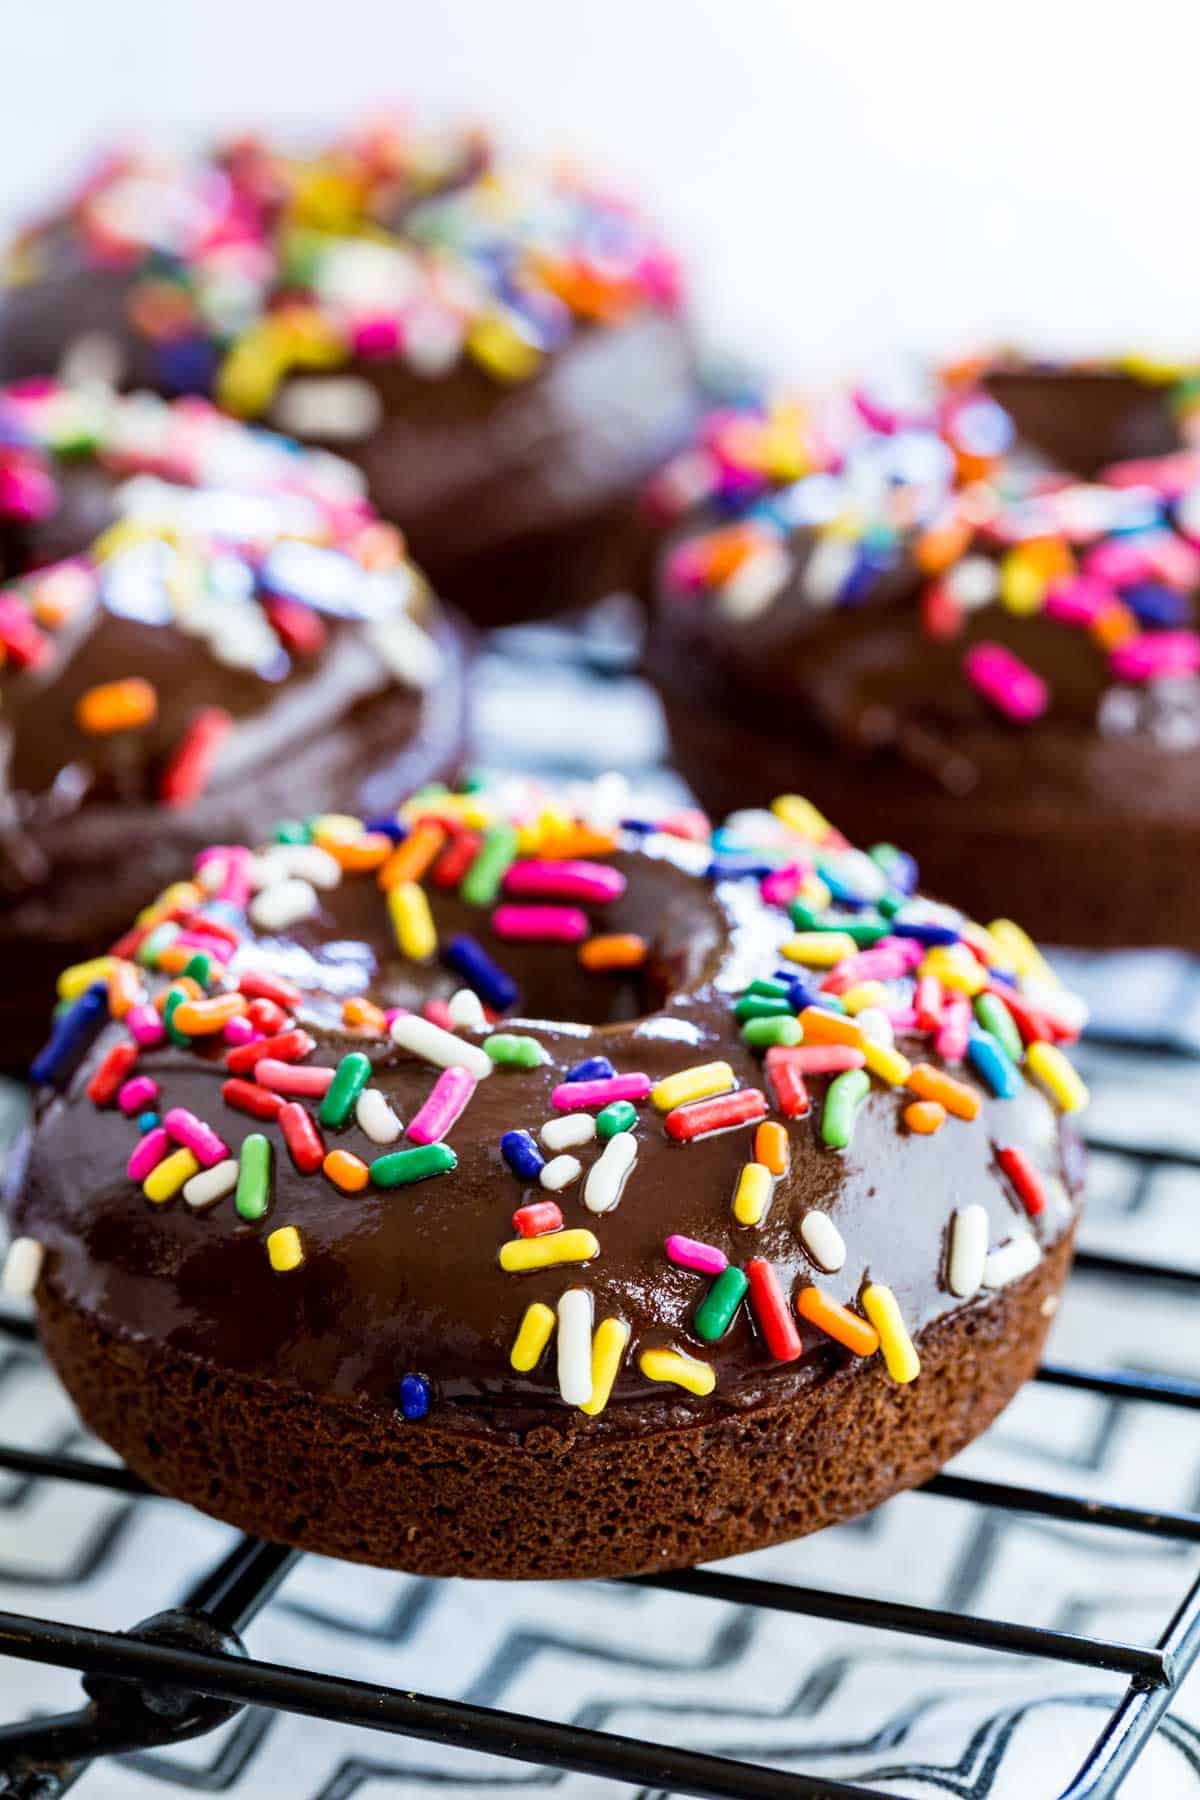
x=237, y=863
x=782, y=885
x=883, y=962
x=823, y=1059
x=447, y=1099
x=543, y=924
x=148, y=1154
x=376, y=336
x=951, y=1040
x=1005, y=681
x=204, y=940
x=136, y=1094
x=292, y=1078
x=908, y=948
x=903, y=1018
x=1156, y=655
x=571, y=1096
x=684, y=572
x=688, y=1253
x=145, y=1025
x=196, y=1136
x=438, y=1013
x=1121, y=561
x=240, y=1031
x=392, y=1013
x=565, y=880
x=1078, y=602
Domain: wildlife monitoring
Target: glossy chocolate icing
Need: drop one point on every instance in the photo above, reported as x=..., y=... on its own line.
x=408, y=1280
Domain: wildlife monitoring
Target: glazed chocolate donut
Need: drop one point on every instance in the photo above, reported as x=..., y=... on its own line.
x=503, y=1192
x=499, y=346
x=908, y=615
x=201, y=621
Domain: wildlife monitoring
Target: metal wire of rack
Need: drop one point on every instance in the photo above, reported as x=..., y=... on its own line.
x=185, y=1672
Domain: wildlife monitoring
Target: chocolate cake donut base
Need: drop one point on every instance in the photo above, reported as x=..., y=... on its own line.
x=451, y=1495
x=1070, y=876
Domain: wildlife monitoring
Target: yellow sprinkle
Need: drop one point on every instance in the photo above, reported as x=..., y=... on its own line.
x=412, y=921
x=1020, y=950
x=468, y=809
x=814, y=893
x=124, y=535
x=685, y=1371
x=867, y=993
x=886, y=1062
x=338, y=828
x=502, y=351
x=285, y=1249
x=167, y=1179
x=752, y=1196
x=608, y=1353
x=880, y=1305
x=520, y=1254
x=819, y=949
x=696, y=1083
x=252, y=370
x=993, y=952
x=73, y=981
x=179, y=894
x=800, y=815
x=532, y=1338
x=961, y=972
x=1052, y=1069
x=1023, y=584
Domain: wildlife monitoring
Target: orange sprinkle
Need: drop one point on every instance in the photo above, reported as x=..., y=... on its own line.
x=576, y=840
x=1116, y=624
x=822, y=1027
x=357, y=854
x=925, y=1116
x=116, y=706
x=379, y=546
x=409, y=860
x=363, y=1015
x=175, y=958
x=929, y=1083
x=771, y=1147
x=201, y=1018
x=346, y=1171
x=942, y=544
x=837, y=1322
x=621, y=950
x=124, y=989
x=725, y=550
x=187, y=985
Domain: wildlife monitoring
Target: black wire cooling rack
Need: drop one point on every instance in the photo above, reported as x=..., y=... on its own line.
x=185, y=1671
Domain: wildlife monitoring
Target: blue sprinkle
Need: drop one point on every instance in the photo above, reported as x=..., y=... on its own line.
x=186, y=365
x=522, y=1155
x=389, y=826
x=147, y=1121
x=414, y=1396
x=738, y=868
x=73, y=1031
x=468, y=958
x=644, y=827
x=840, y=891
x=992, y=1064
x=1156, y=605
x=802, y=990
x=592, y=1068
x=925, y=931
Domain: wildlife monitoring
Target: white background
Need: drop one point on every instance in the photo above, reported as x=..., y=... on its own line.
x=848, y=180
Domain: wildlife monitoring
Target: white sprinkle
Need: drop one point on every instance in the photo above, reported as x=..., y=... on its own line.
x=466, y=1010
x=339, y=408
x=412, y=656
x=284, y=903
x=1011, y=1261
x=94, y=359
x=568, y=1132
x=968, y=1250
x=1049, y=1306
x=422, y=1038
x=609, y=1173
x=23, y=1265
x=829, y=567
x=974, y=582
x=874, y=1023
x=211, y=1185
x=752, y=588
x=823, y=1241
x=560, y=1173
x=376, y=1118
x=308, y=861
x=575, y=1346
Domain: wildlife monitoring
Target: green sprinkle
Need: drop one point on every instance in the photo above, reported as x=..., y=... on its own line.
x=253, y=1195
x=766, y=990
x=199, y=967
x=617, y=1116
x=510, y=1050
x=995, y=1017
x=349, y=1079
x=864, y=928
x=714, y=1315
x=151, y=947
x=760, y=1006
x=846, y=1094
x=761, y=1034
x=292, y=831
x=889, y=904
x=497, y=853
x=174, y=1001
x=403, y=1167
x=472, y=784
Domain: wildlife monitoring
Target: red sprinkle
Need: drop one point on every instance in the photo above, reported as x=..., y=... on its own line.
x=102, y=1088
x=288, y=1046
x=1025, y=1179
x=268, y=1018
x=215, y=928
x=452, y=865
x=256, y=985
x=927, y=1002
x=301, y=1137
x=705, y=1116
x=771, y=1311
x=537, y=1218
x=1034, y=1026
x=787, y=1085
x=300, y=629
x=259, y=1102
x=186, y=775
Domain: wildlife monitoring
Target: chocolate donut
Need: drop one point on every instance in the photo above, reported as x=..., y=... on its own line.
x=909, y=614
x=200, y=622
x=498, y=345
x=502, y=1191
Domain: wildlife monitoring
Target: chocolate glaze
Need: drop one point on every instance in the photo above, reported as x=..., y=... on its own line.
x=408, y=1280
x=1085, y=418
